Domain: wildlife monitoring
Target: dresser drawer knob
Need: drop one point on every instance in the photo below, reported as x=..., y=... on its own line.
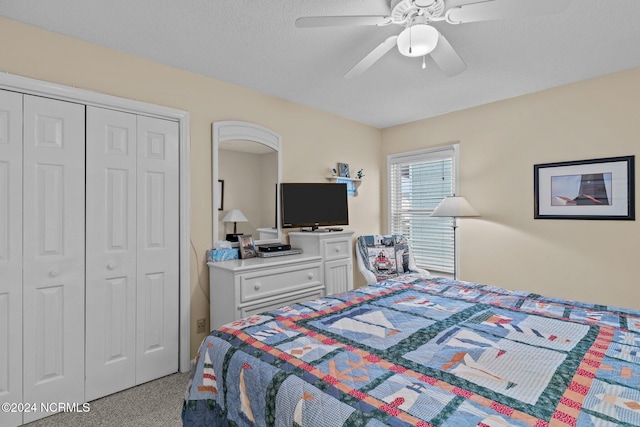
x=111, y=266
x=257, y=286
x=337, y=248
x=54, y=273
x=310, y=276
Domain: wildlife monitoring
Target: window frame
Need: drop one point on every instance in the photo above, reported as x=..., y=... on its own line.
x=425, y=155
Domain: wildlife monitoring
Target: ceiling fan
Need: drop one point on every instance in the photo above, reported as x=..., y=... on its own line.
x=419, y=38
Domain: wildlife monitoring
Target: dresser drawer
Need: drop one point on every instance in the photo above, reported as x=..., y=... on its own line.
x=279, y=303
x=271, y=282
x=337, y=249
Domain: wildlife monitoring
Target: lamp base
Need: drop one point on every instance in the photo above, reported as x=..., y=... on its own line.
x=233, y=237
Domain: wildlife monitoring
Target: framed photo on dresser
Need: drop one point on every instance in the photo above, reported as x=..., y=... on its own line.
x=247, y=246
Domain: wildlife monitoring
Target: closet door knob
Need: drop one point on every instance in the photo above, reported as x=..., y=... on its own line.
x=111, y=266
x=54, y=273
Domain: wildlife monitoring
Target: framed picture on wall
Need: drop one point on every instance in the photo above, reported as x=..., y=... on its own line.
x=343, y=170
x=220, y=194
x=247, y=246
x=585, y=189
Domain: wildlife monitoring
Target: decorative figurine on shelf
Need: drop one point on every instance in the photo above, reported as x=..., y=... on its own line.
x=360, y=174
x=334, y=172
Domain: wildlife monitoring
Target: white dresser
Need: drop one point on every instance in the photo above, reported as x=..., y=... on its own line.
x=241, y=288
x=335, y=249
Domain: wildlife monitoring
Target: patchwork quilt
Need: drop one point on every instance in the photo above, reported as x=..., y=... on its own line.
x=426, y=352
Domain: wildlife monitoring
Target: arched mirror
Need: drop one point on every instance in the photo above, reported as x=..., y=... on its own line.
x=245, y=177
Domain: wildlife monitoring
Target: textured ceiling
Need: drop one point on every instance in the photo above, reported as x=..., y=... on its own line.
x=255, y=44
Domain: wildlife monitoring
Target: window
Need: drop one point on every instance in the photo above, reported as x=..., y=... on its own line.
x=417, y=182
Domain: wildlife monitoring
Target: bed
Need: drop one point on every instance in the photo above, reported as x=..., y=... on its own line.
x=422, y=352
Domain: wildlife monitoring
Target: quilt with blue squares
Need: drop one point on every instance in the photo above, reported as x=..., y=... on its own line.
x=425, y=352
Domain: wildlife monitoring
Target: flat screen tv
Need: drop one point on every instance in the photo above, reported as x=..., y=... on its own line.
x=313, y=205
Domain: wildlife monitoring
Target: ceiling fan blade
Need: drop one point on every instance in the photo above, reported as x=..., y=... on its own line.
x=372, y=57
x=445, y=56
x=503, y=9
x=335, y=21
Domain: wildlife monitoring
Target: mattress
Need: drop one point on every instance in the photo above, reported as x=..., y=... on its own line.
x=422, y=352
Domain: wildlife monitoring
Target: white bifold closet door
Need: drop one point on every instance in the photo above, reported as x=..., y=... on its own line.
x=53, y=252
x=132, y=250
x=10, y=254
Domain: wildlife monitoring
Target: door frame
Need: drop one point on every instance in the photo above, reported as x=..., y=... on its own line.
x=31, y=86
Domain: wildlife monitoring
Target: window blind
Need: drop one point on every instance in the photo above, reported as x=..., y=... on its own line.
x=418, y=181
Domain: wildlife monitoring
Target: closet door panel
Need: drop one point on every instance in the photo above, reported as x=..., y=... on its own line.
x=158, y=249
x=111, y=252
x=10, y=253
x=53, y=216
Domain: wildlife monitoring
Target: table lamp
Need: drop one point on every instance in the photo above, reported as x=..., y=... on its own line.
x=235, y=216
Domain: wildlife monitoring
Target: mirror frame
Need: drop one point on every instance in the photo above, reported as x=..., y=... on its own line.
x=239, y=130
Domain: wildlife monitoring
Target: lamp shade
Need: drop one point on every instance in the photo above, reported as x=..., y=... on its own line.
x=454, y=206
x=417, y=40
x=235, y=215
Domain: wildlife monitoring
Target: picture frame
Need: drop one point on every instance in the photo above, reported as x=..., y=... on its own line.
x=343, y=170
x=594, y=189
x=220, y=194
x=247, y=246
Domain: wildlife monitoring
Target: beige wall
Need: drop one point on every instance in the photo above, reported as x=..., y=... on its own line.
x=593, y=261
x=312, y=141
x=499, y=143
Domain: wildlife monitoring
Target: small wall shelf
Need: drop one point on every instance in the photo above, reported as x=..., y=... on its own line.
x=352, y=183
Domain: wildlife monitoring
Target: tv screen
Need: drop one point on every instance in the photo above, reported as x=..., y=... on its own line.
x=313, y=204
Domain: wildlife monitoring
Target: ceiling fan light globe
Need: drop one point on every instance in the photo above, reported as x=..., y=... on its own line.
x=418, y=40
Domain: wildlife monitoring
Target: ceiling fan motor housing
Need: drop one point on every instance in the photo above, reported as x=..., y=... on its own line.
x=424, y=3
x=403, y=11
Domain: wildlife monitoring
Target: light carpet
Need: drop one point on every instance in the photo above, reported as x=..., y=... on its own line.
x=156, y=403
